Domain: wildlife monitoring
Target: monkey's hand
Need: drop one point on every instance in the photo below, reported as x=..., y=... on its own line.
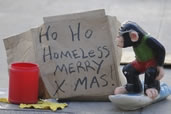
x=120, y=90
x=160, y=73
x=152, y=93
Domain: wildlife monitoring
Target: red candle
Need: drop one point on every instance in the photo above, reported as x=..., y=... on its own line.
x=23, y=83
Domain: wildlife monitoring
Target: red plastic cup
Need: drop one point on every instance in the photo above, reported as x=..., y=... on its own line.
x=23, y=83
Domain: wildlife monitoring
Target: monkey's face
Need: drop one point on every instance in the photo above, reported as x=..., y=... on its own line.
x=127, y=39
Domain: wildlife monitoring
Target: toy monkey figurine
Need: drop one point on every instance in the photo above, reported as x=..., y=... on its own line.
x=150, y=55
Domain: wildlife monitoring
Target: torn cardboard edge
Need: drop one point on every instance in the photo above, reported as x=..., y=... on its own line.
x=99, y=13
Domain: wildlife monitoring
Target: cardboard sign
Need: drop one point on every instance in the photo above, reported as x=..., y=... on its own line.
x=77, y=55
x=20, y=48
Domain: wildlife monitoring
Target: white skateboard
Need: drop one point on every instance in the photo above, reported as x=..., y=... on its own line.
x=136, y=101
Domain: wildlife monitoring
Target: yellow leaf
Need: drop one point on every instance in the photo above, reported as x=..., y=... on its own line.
x=4, y=100
x=45, y=105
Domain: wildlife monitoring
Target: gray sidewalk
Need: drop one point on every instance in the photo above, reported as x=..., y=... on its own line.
x=93, y=108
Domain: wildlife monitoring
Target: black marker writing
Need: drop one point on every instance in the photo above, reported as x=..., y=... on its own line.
x=85, y=66
x=81, y=82
x=59, y=87
x=53, y=35
x=76, y=34
x=93, y=82
x=102, y=77
x=88, y=33
x=49, y=53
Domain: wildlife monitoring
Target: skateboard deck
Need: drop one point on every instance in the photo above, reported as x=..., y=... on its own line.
x=136, y=101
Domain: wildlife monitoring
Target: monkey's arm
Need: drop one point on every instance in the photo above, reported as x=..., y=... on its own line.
x=158, y=49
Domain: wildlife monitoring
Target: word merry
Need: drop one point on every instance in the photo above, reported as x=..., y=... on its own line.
x=85, y=66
